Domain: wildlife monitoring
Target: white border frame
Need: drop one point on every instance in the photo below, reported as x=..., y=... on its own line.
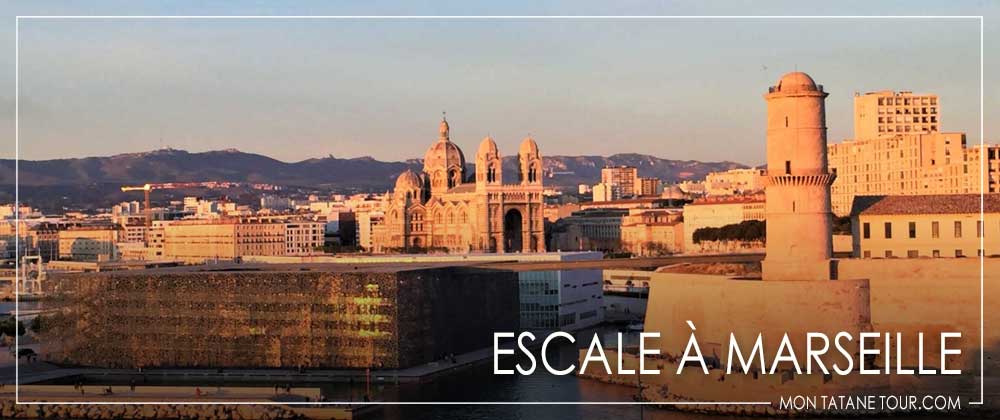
x=17, y=151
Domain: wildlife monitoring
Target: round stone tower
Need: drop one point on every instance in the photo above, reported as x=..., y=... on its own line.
x=797, y=186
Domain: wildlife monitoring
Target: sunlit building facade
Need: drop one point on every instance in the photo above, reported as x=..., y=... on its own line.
x=899, y=149
x=330, y=316
x=441, y=209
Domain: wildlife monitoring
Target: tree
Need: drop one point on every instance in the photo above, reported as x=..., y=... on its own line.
x=7, y=327
x=36, y=324
x=745, y=231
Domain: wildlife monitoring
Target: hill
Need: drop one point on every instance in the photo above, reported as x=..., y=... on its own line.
x=74, y=180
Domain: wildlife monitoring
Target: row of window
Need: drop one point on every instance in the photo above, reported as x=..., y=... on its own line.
x=909, y=119
x=902, y=111
x=912, y=230
x=922, y=100
x=912, y=253
x=883, y=128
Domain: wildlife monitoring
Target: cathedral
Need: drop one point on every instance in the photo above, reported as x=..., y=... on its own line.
x=443, y=209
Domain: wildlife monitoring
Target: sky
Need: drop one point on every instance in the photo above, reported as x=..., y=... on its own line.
x=296, y=89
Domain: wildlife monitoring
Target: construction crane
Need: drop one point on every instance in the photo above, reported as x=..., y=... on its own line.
x=146, y=208
x=146, y=188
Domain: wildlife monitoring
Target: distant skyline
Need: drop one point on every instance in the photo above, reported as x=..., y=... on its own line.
x=300, y=89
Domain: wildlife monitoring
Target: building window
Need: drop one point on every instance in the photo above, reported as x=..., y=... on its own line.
x=958, y=253
x=958, y=228
x=888, y=253
x=867, y=254
x=867, y=227
x=936, y=253
x=788, y=167
x=913, y=230
x=912, y=254
x=979, y=228
x=935, y=230
x=888, y=230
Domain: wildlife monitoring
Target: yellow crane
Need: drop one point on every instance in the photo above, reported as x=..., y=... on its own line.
x=146, y=188
x=147, y=209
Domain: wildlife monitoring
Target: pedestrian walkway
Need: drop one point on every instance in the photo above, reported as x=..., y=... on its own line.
x=97, y=393
x=38, y=372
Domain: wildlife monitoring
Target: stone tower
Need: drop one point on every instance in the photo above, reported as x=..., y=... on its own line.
x=799, y=245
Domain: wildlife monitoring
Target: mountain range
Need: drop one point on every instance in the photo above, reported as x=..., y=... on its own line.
x=73, y=178
x=171, y=165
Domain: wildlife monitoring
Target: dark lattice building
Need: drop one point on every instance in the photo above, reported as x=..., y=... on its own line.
x=314, y=316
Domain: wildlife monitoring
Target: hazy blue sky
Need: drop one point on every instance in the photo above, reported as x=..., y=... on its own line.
x=296, y=89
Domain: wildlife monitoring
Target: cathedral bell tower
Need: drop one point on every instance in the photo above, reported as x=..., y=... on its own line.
x=529, y=163
x=797, y=186
x=489, y=164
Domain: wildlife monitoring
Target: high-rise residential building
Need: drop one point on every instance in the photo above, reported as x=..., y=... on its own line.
x=650, y=187
x=915, y=159
x=625, y=177
x=888, y=113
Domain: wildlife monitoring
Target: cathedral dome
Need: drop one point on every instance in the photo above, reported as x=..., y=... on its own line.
x=796, y=82
x=444, y=155
x=488, y=148
x=528, y=147
x=408, y=181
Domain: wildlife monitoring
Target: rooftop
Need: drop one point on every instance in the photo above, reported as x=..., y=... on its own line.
x=925, y=204
x=222, y=268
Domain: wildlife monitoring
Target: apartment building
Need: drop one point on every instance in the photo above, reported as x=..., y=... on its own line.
x=650, y=187
x=734, y=181
x=888, y=113
x=304, y=237
x=625, y=177
x=90, y=243
x=899, y=149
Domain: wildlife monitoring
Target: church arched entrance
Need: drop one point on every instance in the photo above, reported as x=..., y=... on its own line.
x=512, y=234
